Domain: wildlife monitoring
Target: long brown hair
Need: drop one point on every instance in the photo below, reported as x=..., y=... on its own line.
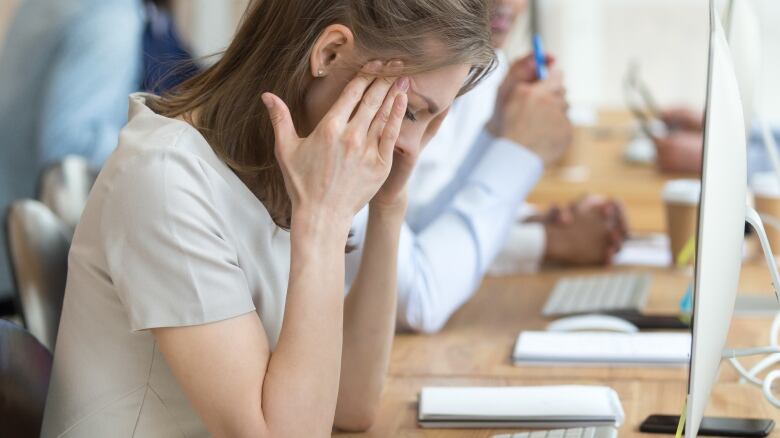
x=271, y=52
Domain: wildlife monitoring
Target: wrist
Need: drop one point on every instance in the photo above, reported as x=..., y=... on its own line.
x=389, y=208
x=320, y=226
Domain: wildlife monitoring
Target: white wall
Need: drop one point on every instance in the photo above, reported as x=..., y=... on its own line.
x=209, y=25
x=594, y=40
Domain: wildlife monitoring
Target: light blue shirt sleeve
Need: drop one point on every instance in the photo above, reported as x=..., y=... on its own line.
x=441, y=264
x=758, y=157
x=98, y=65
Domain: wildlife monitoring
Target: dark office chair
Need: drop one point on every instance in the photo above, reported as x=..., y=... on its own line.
x=25, y=367
x=38, y=244
x=64, y=188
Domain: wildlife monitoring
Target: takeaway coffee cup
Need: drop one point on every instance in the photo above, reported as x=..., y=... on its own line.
x=681, y=198
x=766, y=192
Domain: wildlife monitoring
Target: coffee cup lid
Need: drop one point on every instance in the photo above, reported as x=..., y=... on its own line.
x=765, y=184
x=682, y=191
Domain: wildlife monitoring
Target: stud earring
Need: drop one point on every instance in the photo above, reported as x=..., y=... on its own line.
x=320, y=73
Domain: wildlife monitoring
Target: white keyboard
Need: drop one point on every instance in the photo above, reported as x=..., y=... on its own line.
x=588, y=432
x=594, y=294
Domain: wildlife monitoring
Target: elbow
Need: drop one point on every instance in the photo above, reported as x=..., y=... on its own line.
x=427, y=327
x=357, y=420
x=424, y=322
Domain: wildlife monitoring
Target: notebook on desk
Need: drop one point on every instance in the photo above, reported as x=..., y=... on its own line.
x=520, y=407
x=596, y=348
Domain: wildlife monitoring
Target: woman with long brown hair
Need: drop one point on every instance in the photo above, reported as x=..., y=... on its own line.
x=206, y=280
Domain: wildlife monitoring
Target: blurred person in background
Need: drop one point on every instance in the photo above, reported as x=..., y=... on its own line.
x=681, y=151
x=167, y=60
x=472, y=178
x=66, y=70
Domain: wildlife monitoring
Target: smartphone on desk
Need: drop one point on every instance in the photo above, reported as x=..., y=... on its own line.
x=710, y=426
x=652, y=322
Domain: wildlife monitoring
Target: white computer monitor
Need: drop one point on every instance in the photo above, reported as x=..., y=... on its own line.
x=721, y=225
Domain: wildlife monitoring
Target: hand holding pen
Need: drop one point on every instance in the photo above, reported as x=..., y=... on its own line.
x=531, y=112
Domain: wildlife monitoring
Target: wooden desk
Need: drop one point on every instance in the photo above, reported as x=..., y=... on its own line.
x=479, y=338
x=639, y=398
x=475, y=346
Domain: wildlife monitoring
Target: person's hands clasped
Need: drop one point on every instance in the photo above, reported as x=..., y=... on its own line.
x=590, y=231
x=533, y=113
x=337, y=169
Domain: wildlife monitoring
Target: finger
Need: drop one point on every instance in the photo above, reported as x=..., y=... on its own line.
x=353, y=93
x=566, y=217
x=383, y=115
x=374, y=98
x=608, y=211
x=554, y=213
x=621, y=216
x=555, y=82
x=393, y=128
x=371, y=104
x=284, y=128
x=523, y=71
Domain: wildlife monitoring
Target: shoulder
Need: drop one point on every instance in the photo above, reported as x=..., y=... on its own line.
x=159, y=161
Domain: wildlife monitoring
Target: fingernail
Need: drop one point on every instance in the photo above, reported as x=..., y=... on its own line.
x=396, y=64
x=374, y=67
x=268, y=100
x=403, y=84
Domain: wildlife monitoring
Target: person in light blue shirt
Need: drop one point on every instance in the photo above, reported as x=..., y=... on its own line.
x=66, y=70
x=471, y=180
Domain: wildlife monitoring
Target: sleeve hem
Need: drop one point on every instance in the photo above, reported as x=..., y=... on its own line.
x=215, y=317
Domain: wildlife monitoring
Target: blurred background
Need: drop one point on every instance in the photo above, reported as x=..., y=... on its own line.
x=595, y=41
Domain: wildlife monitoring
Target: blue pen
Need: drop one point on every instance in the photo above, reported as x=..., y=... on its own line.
x=540, y=58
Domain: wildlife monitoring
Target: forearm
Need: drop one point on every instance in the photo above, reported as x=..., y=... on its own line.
x=303, y=371
x=369, y=321
x=443, y=263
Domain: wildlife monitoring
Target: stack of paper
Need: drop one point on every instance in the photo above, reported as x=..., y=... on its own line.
x=603, y=348
x=520, y=407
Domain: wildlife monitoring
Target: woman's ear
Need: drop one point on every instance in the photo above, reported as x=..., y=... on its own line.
x=335, y=44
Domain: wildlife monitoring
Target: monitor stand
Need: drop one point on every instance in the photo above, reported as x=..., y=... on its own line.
x=754, y=219
x=756, y=305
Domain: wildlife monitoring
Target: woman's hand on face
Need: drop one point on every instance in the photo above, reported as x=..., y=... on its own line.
x=337, y=169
